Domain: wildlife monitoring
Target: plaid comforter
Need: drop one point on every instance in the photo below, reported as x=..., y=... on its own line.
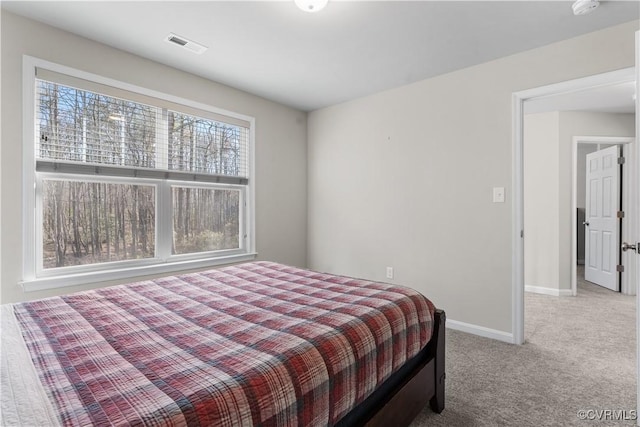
x=255, y=344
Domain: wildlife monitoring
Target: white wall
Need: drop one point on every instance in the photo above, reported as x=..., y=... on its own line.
x=548, y=138
x=541, y=202
x=403, y=178
x=281, y=150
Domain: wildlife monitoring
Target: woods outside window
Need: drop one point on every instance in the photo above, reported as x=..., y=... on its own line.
x=130, y=182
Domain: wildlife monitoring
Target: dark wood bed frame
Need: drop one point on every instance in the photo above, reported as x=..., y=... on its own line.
x=409, y=394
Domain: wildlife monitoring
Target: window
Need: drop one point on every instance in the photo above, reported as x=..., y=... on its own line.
x=128, y=181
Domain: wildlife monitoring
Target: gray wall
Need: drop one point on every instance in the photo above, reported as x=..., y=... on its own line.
x=404, y=178
x=281, y=151
x=541, y=201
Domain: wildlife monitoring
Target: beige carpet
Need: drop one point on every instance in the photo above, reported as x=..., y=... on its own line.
x=579, y=355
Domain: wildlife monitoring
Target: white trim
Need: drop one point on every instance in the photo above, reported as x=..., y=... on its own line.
x=631, y=204
x=28, y=161
x=626, y=285
x=517, y=244
x=548, y=291
x=574, y=217
x=250, y=196
x=41, y=284
x=480, y=331
x=605, y=79
x=164, y=221
x=635, y=222
x=517, y=231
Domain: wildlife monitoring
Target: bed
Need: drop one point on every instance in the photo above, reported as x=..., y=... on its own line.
x=253, y=344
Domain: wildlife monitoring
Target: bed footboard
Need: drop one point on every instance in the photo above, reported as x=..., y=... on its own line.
x=423, y=383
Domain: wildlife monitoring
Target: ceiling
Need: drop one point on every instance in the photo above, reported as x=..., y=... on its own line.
x=312, y=60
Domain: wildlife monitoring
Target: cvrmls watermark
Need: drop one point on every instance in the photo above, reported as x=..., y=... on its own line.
x=607, y=414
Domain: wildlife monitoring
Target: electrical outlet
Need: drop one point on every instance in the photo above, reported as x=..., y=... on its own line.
x=389, y=272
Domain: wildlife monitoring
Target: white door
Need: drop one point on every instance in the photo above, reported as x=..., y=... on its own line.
x=601, y=220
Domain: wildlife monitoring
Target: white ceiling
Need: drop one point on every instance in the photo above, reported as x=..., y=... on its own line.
x=312, y=60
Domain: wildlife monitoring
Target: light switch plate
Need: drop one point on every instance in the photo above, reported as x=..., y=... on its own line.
x=498, y=194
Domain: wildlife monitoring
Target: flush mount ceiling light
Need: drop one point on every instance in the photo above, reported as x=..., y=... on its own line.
x=311, y=5
x=582, y=7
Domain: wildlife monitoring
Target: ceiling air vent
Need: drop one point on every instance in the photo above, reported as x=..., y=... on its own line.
x=190, y=45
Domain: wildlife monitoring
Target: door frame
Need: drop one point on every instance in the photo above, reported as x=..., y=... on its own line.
x=627, y=286
x=635, y=177
x=517, y=206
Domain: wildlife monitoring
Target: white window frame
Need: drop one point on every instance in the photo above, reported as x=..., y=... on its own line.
x=242, y=228
x=35, y=278
x=95, y=267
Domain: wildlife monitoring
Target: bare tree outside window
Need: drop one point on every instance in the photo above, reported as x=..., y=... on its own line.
x=87, y=127
x=206, y=146
x=130, y=151
x=93, y=222
x=205, y=219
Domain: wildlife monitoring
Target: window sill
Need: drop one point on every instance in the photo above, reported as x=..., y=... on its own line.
x=131, y=273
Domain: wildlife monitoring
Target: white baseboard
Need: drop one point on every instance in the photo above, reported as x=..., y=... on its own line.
x=480, y=331
x=548, y=291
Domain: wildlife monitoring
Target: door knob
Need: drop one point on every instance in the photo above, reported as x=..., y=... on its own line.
x=626, y=247
x=585, y=223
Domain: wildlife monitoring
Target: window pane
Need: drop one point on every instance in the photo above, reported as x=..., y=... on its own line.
x=94, y=222
x=205, y=219
x=206, y=146
x=81, y=126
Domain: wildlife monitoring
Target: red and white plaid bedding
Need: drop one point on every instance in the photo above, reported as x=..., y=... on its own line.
x=254, y=344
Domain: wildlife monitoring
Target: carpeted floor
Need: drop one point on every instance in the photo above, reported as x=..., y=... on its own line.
x=579, y=355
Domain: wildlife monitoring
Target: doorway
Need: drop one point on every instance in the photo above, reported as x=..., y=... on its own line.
x=581, y=145
x=633, y=234
x=552, y=196
x=545, y=94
